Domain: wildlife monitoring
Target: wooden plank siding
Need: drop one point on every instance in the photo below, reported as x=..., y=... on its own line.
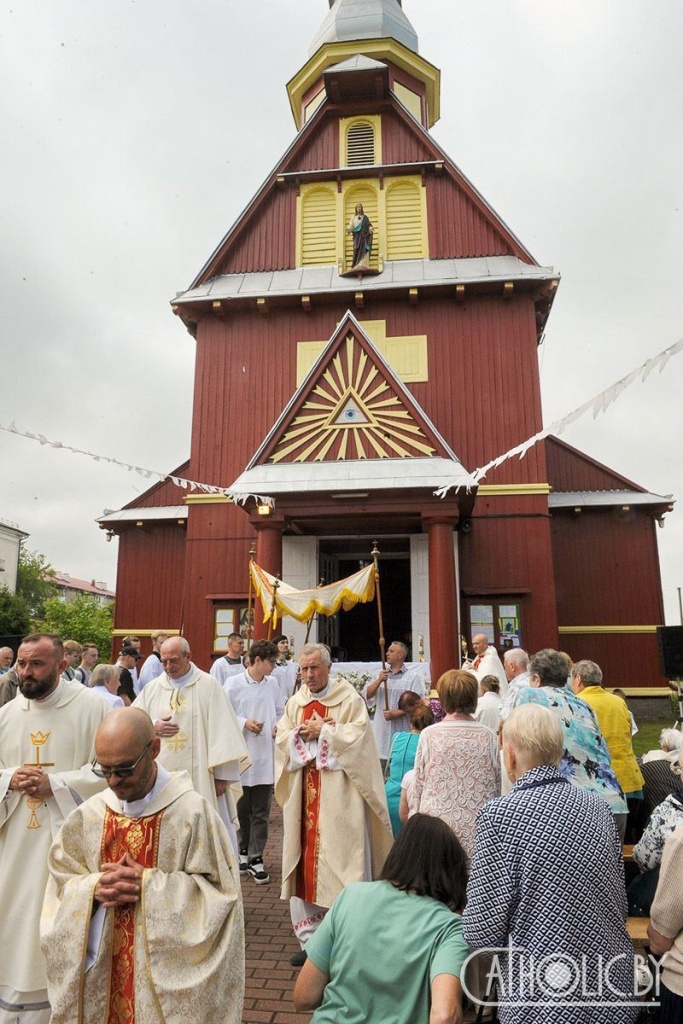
x=268, y=241
x=508, y=554
x=482, y=354
x=606, y=566
x=572, y=470
x=628, y=660
x=151, y=571
x=218, y=542
x=319, y=152
x=457, y=228
x=400, y=143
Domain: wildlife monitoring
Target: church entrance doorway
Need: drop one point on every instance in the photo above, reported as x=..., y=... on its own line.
x=354, y=635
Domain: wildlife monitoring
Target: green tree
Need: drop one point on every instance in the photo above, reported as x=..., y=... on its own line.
x=15, y=619
x=84, y=619
x=35, y=581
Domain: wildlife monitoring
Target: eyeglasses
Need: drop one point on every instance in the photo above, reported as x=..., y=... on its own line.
x=123, y=771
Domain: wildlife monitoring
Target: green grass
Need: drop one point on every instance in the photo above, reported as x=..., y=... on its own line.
x=647, y=737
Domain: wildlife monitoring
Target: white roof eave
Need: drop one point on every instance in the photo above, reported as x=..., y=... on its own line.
x=363, y=475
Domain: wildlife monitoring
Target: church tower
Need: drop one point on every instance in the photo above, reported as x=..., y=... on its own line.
x=366, y=335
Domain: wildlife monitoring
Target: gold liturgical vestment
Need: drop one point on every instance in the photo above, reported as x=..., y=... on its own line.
x=179, y=957
x=59, y=734
x=333, y=819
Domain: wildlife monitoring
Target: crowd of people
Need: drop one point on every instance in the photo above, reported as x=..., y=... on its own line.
x=469, y=838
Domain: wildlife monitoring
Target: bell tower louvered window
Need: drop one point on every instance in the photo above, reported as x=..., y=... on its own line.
x=360, y=144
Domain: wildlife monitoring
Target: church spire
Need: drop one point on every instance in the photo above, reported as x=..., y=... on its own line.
x=365, y=49
x=365, y=19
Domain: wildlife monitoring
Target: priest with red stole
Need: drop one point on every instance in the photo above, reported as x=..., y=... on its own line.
x=329, y=784
x=142, y=919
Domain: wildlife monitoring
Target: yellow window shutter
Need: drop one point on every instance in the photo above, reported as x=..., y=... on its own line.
x=405, y=225
x=319, y=233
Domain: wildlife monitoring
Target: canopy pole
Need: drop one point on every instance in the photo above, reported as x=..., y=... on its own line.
x=273, y=606
x=375, y=557
x=250, y=598
x=321, y=583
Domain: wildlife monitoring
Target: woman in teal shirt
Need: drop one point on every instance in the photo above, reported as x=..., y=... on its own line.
x=402, y=755
x=392, y=950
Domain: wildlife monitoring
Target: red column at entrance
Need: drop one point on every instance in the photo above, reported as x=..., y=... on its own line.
x=443, y=597
x=269, y=556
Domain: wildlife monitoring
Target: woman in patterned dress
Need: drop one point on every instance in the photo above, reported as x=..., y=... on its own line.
x=546, y=891
x=457, y=768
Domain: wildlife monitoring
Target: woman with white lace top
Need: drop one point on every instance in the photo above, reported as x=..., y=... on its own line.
x=457, y=768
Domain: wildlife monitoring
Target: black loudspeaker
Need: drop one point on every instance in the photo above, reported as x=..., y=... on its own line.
x=670, y=643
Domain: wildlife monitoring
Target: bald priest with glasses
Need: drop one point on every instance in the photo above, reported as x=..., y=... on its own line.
x=142, y=919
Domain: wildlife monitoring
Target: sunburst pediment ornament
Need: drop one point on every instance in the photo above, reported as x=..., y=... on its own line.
x=351, y=406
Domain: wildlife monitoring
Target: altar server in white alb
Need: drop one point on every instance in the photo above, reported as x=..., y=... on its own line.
x=47, y=736
x=259, y=706
x=286, y=671
x=198, y=729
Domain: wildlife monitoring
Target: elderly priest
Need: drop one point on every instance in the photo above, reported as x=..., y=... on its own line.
x=142, y=919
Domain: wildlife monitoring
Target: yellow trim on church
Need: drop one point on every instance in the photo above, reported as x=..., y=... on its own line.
x=378, y=49
x=206, y=499
x=505, y=490
x=624, y=630
x=144, y=632
x=407, y=355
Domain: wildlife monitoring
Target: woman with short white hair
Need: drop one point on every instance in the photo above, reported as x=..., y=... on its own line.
x=105, y=680
x=547, y=887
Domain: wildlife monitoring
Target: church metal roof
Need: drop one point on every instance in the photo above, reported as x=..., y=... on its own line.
x=396, y=274
x=605, y=499
x=365, y=19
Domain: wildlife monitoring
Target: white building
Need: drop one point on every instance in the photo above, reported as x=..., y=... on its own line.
x=11, y=538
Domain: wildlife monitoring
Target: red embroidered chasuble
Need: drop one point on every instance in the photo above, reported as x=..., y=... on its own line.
x=140, y=838
x=307, y=870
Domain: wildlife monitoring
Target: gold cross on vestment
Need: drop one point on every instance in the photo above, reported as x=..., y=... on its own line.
x=39, y=739
x=177, y=742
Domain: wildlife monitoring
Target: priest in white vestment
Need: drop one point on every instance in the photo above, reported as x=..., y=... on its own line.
x=142, y=920
x=486, y=662
x=198, y=729
x=47, y=736
x=328, y=779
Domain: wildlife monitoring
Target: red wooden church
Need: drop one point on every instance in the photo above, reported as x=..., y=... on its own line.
x=349, y=390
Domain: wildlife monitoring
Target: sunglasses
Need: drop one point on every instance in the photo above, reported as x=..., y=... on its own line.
x=123, y=771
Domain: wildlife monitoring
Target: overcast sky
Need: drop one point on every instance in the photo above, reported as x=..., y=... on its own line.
x=135, y=131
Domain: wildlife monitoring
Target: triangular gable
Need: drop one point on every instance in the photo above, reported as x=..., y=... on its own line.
x=270, y=206
x=351, y=406
x=572, y=470
x=165, y=492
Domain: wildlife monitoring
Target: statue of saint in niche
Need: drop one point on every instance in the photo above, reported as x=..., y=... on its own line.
x=361, y=229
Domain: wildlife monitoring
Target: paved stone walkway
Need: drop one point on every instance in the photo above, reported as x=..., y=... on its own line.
x=270, y=943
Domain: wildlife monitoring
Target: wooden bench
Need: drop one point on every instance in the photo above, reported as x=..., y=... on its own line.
x=637, y=930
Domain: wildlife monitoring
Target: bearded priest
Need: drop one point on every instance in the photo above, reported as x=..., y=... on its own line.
x=142, y=919
x=47, y=735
